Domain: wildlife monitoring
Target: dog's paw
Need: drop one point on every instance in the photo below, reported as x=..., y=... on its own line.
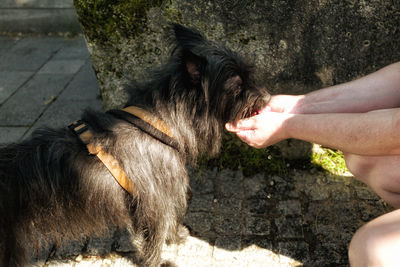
x=179, y=236
x=183, y=233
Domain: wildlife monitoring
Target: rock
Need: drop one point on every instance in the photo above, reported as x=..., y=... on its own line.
x=297, y=46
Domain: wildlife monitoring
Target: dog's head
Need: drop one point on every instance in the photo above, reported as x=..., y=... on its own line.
x=223, y=78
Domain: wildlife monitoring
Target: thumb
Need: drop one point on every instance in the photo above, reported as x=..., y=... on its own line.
x=242, y=125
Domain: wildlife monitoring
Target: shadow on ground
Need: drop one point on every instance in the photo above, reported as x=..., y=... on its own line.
x=305, y=218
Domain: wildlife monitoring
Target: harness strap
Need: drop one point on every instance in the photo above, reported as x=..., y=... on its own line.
x=140, y=118
x=85, y=135
x=146, y=122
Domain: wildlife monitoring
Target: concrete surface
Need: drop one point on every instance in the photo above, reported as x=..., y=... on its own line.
x=302, y=218
x=38, y=16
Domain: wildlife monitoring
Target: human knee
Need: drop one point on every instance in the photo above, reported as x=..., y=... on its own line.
x=359, y=166
x=374, y=246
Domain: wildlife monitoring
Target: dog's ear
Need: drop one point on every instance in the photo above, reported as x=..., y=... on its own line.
x=187, y=39
x=189, y=42
x=194, y=66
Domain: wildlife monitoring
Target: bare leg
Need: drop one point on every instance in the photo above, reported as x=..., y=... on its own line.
x=377, y=243
x=382, y=174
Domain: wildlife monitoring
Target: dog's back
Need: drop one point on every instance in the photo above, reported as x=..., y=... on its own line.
x=52, y=189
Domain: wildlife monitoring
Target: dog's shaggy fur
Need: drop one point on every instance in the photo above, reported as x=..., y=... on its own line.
x=52, y=190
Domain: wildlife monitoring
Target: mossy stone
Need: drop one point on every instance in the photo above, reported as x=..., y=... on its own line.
x=297, y=46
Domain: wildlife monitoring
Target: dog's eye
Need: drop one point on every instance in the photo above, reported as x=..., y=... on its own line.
x=238, y=90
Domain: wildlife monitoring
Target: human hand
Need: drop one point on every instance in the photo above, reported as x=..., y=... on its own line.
x=284, y=103
x=262, y=130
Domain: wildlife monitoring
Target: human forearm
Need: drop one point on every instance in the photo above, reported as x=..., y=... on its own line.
x=379, y=90
x=372, y=133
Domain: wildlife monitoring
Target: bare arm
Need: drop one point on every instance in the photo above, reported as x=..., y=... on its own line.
x=370, y=133
x=360, y=117
x=379, y=90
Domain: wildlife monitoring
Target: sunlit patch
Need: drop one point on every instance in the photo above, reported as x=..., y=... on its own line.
x=195, y=251
x=329, y=160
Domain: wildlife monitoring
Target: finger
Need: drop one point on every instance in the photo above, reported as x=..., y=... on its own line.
x=235, y=128
x=247, y=124
x=230, y=127
x=245, y=136
x=265, y=109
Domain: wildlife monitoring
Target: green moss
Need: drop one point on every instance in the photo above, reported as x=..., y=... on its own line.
x=236, y=155
x=172, y=13
x=329, y=160
x=106, y=20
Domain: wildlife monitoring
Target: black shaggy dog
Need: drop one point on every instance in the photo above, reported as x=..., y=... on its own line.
x=53, y=188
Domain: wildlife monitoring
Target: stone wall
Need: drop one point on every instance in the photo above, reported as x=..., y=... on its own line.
x=298, y=46
x=38, y=16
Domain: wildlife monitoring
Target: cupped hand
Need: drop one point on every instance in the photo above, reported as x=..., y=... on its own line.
x=262, y=130
x=284, y=103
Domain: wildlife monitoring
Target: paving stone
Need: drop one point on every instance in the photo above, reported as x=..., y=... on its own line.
x=317, y=193
x=289, y=207
x=327, y=252
x=5, y=43
x=289, y=227
x=256, y=256
x=228, y=224
x=36, y=4
x=29, y=54
x=84, y=85
x=257, y=226
x=201, y=203
x=294, y=249
x=365, y=193
x=61, y=263
x=262, y=242
x=202, y=181
x=63, y=112
x=229, y=184
x=92, y=262
x=30, y=101
x=74, y=48
x=258, y=206
x=369, y=210
x=227, y=248
x=195, y=246
x=340, y=193
x=194, y=261
x=198, y=222
x=170, y=252
x=289, y=262
x=11, y=134
x=227, y=206
x=10, y=81
x=122, y=262
x=253, y=185
x=62, y=66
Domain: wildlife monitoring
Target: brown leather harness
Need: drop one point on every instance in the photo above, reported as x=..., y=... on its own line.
x=142, y=119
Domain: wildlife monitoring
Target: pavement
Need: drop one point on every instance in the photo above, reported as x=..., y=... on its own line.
x=303, y=218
